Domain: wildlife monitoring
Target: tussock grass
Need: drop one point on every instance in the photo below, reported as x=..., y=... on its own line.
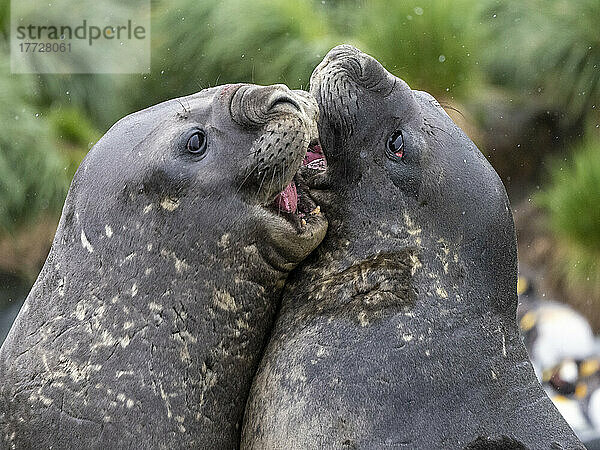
x=572, y=202
x=547, y=48
x=33, y=179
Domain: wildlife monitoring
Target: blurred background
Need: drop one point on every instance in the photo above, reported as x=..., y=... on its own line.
x=521, y=78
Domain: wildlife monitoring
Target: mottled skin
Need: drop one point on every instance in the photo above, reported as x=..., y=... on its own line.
x=400, y=330
x=145, y=326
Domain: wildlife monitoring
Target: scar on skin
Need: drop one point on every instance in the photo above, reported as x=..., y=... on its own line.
x=85, y=243
x=180, y=264
x=165, y=398
x=225, y=300
x=170, y=204
x=441, y=292
x=362, y=318
x=155, y=307
x=127, y=259
x=80, y=311
x=415, y=263
x=224, y=241
x=410, y=226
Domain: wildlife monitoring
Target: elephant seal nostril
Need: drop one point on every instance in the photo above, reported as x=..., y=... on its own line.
x=282, y=101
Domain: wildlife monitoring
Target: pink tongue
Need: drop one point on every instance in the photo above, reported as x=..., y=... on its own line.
x=313, y=153
x=288, y=199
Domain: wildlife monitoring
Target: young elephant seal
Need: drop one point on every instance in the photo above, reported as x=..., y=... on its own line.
x=400, y=330
x=145, y=326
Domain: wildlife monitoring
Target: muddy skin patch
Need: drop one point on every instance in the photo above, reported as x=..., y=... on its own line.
x=365, y=292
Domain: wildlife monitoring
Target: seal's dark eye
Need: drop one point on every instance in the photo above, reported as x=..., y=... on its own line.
x=396, y=144
x=196, y=144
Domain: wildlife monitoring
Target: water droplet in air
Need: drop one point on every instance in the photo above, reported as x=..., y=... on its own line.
x=442, y=58
x=418, y=11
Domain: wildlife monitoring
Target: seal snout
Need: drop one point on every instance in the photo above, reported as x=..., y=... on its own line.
x=336, y=54
x=353, y=65
x=285, y=125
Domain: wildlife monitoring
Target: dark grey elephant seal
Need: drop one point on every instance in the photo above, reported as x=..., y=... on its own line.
x=400, y=330
x=146, y=324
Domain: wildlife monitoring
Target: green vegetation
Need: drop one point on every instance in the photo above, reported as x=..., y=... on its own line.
x=549, y=49
x=202, y=44
x=32, y=174
x=428, y=43
x=4, y=18
x=40, y=149
x=572, y=200
x=74, y=133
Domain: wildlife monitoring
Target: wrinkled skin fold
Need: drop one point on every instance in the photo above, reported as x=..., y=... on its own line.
x=145, y=326
x=400, y=330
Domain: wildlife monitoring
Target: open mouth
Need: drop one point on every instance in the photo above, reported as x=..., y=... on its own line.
x=295, y=201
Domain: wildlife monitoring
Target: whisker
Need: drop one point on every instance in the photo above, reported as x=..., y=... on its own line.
x=452, y=108
x=185, y=110
x=252, y=153
x=246, y=179
x=272, y=178
x=261, y=183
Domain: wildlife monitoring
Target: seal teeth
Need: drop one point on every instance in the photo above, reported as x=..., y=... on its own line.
x=316, y=211
x=315, y=158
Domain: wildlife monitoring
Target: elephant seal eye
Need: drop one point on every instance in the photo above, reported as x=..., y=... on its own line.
x=196, y=144
x=396, y=144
